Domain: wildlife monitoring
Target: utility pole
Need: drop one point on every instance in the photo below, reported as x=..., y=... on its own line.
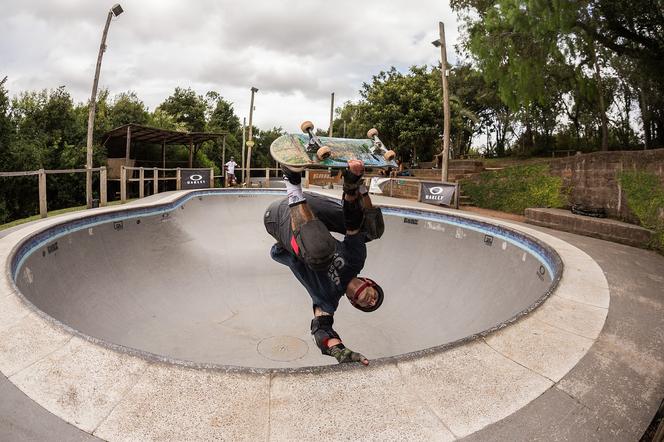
x=250, y=143
x=114, y=11
x=446, y=100
x=329, y=134
x=244, y=141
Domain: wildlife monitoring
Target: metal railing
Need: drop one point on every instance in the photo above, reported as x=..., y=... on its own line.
x=41, y=174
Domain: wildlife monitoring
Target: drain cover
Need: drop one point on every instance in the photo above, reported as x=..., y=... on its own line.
x=282, y=348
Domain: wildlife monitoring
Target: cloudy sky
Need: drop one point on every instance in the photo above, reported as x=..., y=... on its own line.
x=295, y=52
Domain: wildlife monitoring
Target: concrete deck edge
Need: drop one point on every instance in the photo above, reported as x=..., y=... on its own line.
x=121, y=381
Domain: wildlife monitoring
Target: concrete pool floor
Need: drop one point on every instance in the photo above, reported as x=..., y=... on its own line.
x=612, y=393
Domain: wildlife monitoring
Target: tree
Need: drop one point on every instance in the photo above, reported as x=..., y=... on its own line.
x=186, y=108
x=127, y=108
x=536, y=51
x=221, y=115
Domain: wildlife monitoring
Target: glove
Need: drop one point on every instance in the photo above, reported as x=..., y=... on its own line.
x=353, y=176
x=345, y=355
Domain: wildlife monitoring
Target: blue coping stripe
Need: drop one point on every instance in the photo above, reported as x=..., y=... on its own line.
x=547, y=256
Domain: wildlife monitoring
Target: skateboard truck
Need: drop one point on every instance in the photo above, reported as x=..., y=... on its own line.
x=379, y=147
x=315, y=145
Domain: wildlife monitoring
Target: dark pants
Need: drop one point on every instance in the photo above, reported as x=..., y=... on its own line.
x=330, y=218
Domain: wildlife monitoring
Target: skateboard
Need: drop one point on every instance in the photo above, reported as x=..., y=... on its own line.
x=307, y=150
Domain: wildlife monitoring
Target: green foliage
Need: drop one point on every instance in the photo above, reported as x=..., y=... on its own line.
x=186, y=108
x=645, y=197
x=516, y=188
x=584, y=59
x=127, y=108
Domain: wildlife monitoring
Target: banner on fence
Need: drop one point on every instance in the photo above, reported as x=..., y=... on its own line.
x=378, y=184
x=195, y=178
x=441, y=194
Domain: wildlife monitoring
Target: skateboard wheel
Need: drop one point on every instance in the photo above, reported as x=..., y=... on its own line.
x=307, y=126
x=372, y=132
x=323, y=153
x=389, y=155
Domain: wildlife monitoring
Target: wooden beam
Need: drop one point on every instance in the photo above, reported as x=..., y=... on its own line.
x=42, y=193
x=191, y=153
x=128, y=149
x=103, y=198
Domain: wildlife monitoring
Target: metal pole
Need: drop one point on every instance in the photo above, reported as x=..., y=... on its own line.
x=446, y=103
x=331, y=115
x=250, y=143
x=91, y=113
x=244, y=141
x=223, y=162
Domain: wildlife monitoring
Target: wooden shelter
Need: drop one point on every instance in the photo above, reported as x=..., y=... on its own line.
x=131, y=133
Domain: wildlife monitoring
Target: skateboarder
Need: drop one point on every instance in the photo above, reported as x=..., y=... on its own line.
x=328, y=268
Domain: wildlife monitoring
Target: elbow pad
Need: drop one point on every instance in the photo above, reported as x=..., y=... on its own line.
x=322, y=331
x=353, y=214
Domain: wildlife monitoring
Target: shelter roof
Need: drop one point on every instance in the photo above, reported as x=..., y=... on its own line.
x=157, y=135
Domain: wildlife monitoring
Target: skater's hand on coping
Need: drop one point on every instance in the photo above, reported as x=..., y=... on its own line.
x=345, y=355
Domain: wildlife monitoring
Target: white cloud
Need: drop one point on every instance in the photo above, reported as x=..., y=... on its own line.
x=295, y=52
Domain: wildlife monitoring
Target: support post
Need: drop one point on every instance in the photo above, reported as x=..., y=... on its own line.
x=141, y=182
x=244, y=141
x=155, y=189
x=163, y=159
x=250, y=143
x=91, y=113
x=211, y=177
x=123, y=184
x=128, y=147
x=446, y=103
x=103, y=193
x=331, y=116
x=223, y=162
x=43, y=207
x=191, y=153
x=178, y=177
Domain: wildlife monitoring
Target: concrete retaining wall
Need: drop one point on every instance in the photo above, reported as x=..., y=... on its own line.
x=593, y=178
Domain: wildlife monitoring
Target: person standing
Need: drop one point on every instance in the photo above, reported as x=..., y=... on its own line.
x=230, y=172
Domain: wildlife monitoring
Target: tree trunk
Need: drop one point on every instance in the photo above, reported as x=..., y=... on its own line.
x=602, y=107
x=645, y=116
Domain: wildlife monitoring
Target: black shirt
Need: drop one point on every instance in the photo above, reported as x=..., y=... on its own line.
x=326, y=287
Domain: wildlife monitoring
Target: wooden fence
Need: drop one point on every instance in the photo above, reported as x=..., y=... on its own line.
x=42, y=173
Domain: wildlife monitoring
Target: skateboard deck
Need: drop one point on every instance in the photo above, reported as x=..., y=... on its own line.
x=291, y=150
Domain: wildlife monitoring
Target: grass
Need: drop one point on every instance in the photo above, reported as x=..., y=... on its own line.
x=516, y=188
x=50, y=214
x=645, y=198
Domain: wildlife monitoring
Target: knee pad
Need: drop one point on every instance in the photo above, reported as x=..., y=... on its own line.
x=322, y=331
x=316, y=245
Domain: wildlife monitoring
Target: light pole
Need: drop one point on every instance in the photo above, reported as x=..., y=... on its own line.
x=331, y=116
x=250, y=142
x=113, y=12
x=446, y=99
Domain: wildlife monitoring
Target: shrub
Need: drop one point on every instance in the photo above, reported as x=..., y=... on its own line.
x=516, y=188
x=645, y=198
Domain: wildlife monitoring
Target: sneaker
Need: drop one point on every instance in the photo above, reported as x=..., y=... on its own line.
x=292, y=175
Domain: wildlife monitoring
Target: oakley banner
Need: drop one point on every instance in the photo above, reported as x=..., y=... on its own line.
x=441, y=194
x=195, y=178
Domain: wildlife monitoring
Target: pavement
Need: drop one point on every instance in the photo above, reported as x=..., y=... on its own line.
x=602, y=381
